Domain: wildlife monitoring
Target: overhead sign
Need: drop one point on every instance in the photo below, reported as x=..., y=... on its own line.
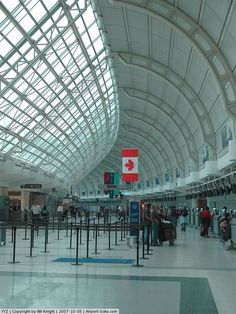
x=31, y=186
x=134, y=216
x=114, y=187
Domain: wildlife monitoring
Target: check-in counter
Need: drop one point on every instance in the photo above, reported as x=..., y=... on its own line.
x=233, y=231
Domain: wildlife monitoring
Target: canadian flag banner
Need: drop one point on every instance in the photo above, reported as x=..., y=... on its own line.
x=129, y=164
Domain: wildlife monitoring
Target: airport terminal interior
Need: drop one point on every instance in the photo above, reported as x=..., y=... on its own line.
x=118, y=156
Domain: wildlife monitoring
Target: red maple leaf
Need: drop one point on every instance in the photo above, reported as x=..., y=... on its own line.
x=129, y=165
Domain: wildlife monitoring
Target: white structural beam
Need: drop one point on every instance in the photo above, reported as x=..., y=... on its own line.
x=180, y=85
x=200, y=40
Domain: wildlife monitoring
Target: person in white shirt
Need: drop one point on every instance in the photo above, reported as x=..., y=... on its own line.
x=60, y=210
x=36, y=211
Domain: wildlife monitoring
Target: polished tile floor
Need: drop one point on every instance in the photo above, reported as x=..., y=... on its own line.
x=196, y=276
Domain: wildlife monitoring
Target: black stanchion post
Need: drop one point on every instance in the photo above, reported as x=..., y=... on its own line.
x=121, y=230
x=77, y=248
x=87, y=251
x=67, y=227
x=14, y=246
x=137, y=247
x=71, y=232
x=109, y=237
x=25, y=238
x=104, y=223
x=96, y=240
x=116, y=233
x=98, y=225
x=80, y=238
x=45, y=240
x=94, y=227
x=58, y=228
x=31, y=240
x=75, y=223
x=53, y=223
x=12, y=234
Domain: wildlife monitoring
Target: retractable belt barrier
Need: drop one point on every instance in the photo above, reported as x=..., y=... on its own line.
x=119, y=226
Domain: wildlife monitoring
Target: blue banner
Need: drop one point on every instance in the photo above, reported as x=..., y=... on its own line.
x=134, y=216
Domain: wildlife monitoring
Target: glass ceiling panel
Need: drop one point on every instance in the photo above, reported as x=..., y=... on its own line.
x=54, y=96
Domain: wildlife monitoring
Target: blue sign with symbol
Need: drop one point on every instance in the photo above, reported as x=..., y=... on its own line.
x=134, y=216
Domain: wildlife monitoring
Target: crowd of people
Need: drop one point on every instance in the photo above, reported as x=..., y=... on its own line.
x=154, y=215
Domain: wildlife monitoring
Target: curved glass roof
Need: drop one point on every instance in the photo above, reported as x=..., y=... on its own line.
x=58, y=106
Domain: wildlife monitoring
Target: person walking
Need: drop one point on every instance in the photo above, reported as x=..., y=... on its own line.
x=183, y=219
x=205, y=221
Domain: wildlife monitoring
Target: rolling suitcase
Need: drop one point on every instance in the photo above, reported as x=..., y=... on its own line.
x=167, y=232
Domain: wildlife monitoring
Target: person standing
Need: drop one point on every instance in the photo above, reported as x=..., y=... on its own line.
x=147, y=222
x=60, y=210
x=45, y=213
x=206, y=221
x=155, y=217
x=36, y=211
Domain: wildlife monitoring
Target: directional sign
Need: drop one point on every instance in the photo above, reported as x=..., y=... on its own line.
x=134, y=216
x=31, y=186
x=115, y=187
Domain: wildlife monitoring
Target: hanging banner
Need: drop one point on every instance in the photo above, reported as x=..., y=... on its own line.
x=130, y=164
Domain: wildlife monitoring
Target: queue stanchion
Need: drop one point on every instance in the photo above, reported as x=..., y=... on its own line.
x=137, y=251
x=109, y=237
x=58, y=228
x=75, y=224
x=104, y=223
x=25, y=238
x=45, y=240
x=96, y=240
x=94, y=227
x=77, y=248
x=14, y=246
x=124, y=223
x=71, y=232
x=87, y=247
x=98, y=225
x=116, y=233
x=31, y=241
x=80, y=238
x=127, y=220
x=53, y=223
x=121, y=230
x=67, y=227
